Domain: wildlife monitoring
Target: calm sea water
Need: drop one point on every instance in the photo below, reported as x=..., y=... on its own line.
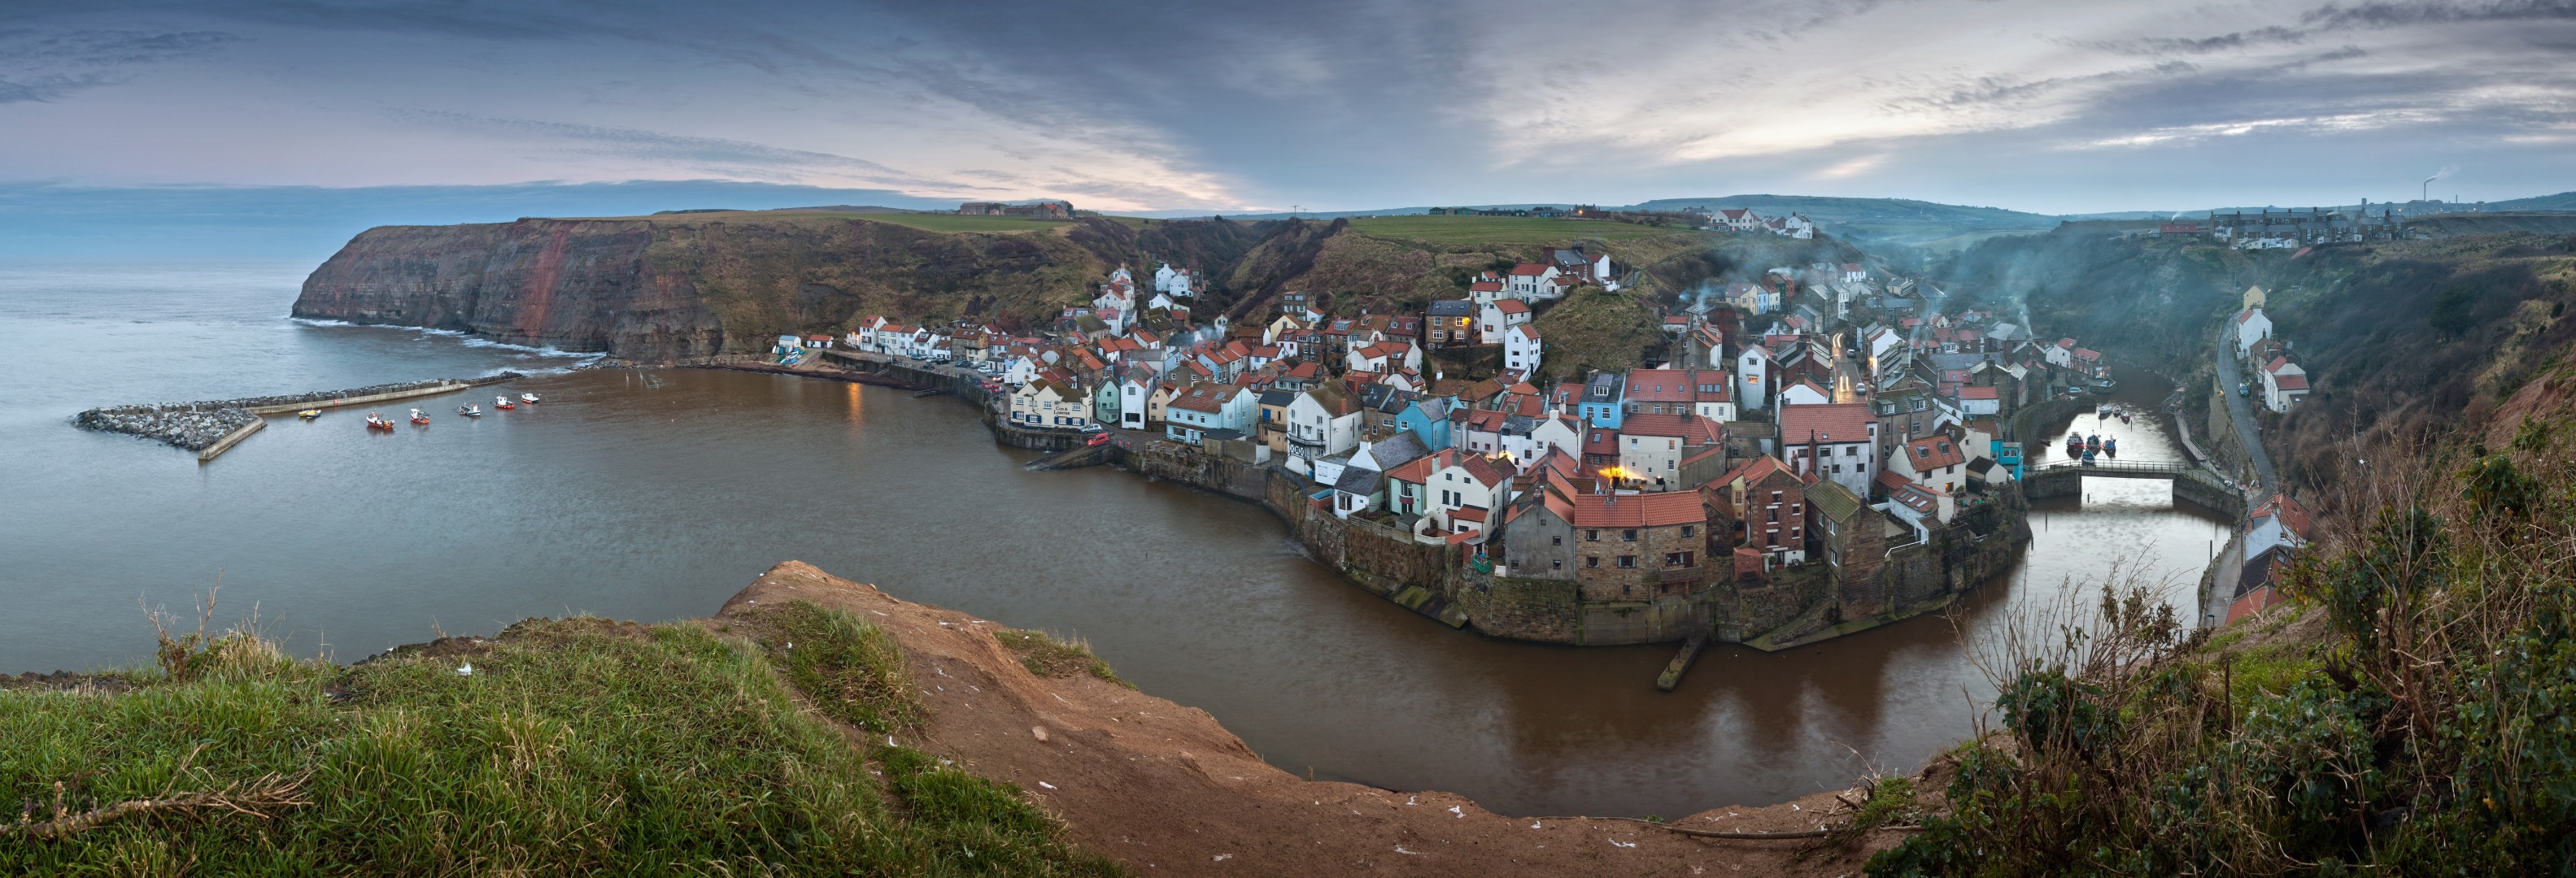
x=655, y=495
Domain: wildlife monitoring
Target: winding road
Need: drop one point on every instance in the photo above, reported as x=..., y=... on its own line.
x=2241, y=411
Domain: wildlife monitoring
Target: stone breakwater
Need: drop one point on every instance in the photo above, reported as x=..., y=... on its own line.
x=197, y=425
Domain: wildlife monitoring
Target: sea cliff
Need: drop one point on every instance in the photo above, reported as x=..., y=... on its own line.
x=665, y=288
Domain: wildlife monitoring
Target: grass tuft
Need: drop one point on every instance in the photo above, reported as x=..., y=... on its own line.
x=852, y=669
x=1047, y=656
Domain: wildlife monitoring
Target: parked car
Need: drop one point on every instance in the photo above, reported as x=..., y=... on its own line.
x=1098, y=439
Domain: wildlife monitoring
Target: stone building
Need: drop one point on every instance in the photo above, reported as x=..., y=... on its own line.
x=1615, y=547
x=1766, y=508
x=1852, y=538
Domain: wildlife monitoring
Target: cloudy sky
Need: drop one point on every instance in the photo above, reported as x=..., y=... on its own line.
x=2048, y=106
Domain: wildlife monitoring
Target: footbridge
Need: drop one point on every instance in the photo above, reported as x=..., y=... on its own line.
x=2191, y=481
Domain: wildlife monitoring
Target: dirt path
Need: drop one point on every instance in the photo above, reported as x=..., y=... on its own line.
x=1166, y=790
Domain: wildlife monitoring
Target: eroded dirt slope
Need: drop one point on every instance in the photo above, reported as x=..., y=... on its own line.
x=1168, y=791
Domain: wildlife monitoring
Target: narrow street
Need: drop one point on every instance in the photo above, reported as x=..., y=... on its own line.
x=2240, y=410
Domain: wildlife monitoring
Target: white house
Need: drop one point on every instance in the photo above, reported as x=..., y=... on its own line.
x=2251, y=329
x=1532, y=281
x=1498, y=317
x=1205, y=408
x=1521, y=349
x=1936, y=460
x=1174, y=282
x=1837, y=442
x=1805, y=393
x=1557, y=431
x=2061, y=354
x=1736, y=218
x=1021, y=370
x=1466, y=493
x=1323, y=422
x=1041, y=403
x=1974, y=401
x=1752, y=377
x=1133, y=392
x=2284, y=384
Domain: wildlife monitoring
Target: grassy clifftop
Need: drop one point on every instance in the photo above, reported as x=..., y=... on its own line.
x=559, y=747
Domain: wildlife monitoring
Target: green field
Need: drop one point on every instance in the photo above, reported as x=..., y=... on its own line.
x=932, y=222
x=1499, y=229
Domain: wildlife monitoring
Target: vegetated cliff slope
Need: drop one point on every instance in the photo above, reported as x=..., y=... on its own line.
x=2399, y=338
x=687, y=285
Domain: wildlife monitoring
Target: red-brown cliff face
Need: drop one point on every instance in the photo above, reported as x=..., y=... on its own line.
x=579, y=285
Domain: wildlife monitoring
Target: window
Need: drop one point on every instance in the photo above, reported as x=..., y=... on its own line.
x=1591, y=562
x=1556, y=541
x=1775, y=514
x=1591, y=536
x=1687, y=529
x=1775, y=496
x=1628, y=562
x=1629, y=535
x=1556, y=564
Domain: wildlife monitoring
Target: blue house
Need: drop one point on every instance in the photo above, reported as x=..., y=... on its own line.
x=1600, y=405
x=1428, y=421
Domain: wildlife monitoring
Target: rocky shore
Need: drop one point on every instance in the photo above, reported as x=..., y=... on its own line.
x=196, y=425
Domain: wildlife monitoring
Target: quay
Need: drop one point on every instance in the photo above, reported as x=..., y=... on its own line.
x=212, y=427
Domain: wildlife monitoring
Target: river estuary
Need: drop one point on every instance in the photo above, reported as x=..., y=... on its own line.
x=654, y=495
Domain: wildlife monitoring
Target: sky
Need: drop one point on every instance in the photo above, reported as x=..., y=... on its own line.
x=2051, y=107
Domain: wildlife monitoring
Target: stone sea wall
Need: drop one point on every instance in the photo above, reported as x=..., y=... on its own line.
x=196, y=425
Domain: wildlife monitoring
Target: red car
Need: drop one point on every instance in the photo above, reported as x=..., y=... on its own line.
x=1098, y=439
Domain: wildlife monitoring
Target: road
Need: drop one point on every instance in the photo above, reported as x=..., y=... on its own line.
x=2240, y=410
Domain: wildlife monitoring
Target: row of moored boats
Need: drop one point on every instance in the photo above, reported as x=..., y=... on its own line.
x=380, y=422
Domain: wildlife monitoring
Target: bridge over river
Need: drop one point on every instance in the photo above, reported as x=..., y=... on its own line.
x=2191, y=482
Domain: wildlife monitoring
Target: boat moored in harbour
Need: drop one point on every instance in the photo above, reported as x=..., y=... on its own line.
x=470, y=410
x=309, y=414
x=528, y=398
x=503, y=403
x=378, y=422
x=419, y=417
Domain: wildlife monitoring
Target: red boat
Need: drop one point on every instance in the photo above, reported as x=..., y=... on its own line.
x=378, y=422
x=418, y=418
x=503, y=403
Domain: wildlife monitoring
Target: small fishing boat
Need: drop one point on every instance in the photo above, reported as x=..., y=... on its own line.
x=419, y=417
x=2111, y=447
x=309, y=414
x=2092, y=442
x=528, y=398
x=2088, y=457
x=470, y=410
x=503, y=403
x=2124, y=417
x=378, y=422
x=2074, y=444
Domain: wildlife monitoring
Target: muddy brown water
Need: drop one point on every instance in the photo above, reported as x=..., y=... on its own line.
x=655, y=495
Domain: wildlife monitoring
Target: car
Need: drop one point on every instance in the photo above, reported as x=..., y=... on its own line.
x=1094, y=427
x=1097, y=440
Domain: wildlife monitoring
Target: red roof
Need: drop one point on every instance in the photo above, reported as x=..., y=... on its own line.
x=1597, y=440
x=1638, y=510
x=1753, y=470
x=2253, y=602
x=1531, y=269
x=1660, y=385
x=1977, y=393
x=1512, y=306
x=1208, y=398
x=1829, y=422
x=2290, y=382
x=1691, y=429
x=1933, y=453
x=1486, y=286
x=2292, y=515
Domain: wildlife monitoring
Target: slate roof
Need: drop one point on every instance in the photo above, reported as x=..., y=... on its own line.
x=1358, y=480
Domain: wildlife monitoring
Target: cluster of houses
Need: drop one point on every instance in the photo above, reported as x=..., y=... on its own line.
x=2274, y=532
x=2281, y=381
x=1737, y=219
x=1828, y=423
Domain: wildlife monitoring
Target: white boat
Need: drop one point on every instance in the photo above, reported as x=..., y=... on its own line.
x=470, y=410
x=419, y=417
x=503, y=402
x=528, y=397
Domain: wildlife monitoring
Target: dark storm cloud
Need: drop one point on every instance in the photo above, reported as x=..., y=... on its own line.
x=1356, y=103
x=42, y=66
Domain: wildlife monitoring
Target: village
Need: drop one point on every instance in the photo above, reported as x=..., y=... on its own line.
x=1809, y=456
